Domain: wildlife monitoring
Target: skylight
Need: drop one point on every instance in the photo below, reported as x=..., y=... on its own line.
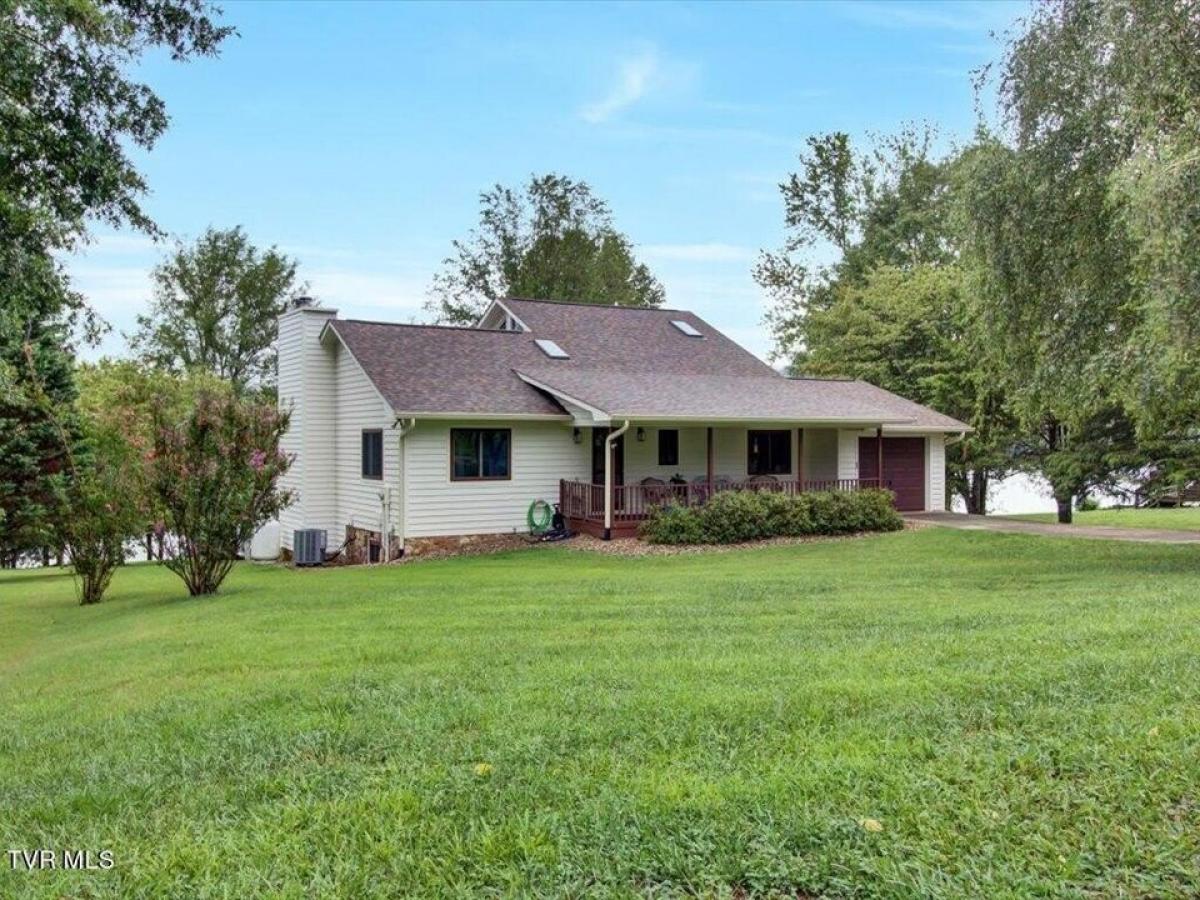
x=686, y=328
x=551, y=349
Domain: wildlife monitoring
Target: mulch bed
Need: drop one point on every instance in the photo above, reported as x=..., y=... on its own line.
x=619, y=546
x=635, y=547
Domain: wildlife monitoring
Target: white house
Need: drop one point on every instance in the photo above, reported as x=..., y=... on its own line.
x=427, y=432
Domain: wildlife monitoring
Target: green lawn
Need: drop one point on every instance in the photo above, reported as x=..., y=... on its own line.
x=1186, y=519
x=1021, y=715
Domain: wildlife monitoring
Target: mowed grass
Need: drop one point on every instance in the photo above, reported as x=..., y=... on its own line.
x=1183, y=519
x=1021, y=715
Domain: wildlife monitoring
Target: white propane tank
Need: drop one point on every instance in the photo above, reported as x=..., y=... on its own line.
x=265, y=543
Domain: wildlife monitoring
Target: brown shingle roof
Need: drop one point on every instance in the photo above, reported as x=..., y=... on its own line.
x=627, y=362
x=431, y=369
x=632, y=339
x=657, y=395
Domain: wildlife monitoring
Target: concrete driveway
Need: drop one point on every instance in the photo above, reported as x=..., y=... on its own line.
x=1016, y=526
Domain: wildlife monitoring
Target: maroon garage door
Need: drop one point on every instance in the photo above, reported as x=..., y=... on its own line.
x=903, y=467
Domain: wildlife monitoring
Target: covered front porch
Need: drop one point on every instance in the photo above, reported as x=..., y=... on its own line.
x=638, y=466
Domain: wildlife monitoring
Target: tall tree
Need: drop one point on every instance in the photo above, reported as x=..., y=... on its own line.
x=1083, y=216
x=909, y=330
x=555, y=240
x=215, y=308
x=69, y=116
x=891, y=307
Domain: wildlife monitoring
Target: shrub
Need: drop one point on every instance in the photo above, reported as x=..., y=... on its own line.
x=737, y=516
x=106, y=508
x=214, y=475
x=674, y=524
x=733, y=516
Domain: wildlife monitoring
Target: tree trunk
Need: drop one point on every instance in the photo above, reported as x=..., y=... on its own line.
x=1064, y=509
x=976, y=497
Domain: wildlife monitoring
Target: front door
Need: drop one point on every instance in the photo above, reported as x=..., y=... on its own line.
x=598, y=438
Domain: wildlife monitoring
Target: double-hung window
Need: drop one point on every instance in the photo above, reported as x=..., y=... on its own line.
x=668, y=447
x=372, y=454
x=480, y=454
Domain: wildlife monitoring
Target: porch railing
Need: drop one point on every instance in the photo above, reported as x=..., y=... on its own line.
x=581, y=500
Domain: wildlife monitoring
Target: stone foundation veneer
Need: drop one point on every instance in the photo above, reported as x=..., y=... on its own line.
x=359, y=541
x=453, y=545
x=358, y=546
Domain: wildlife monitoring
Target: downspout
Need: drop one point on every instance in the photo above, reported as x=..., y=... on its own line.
x=608, y=497
x=385, y=525
x=402, y=427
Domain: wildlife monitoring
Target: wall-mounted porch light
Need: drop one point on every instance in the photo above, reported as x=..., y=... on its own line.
x=641, y=435
x=577, y=435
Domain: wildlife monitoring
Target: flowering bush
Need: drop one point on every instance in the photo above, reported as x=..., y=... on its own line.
x=214, y=475
x=105, y=505
x=735, y=516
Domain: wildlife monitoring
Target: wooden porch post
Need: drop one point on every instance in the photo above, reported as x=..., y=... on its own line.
x=799, y=460
x=879, y=455
x=709, y=471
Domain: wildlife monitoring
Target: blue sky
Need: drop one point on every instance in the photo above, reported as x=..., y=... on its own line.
x=358, y=137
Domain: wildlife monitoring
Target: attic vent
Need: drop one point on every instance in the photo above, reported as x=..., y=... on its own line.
x=551, y=349
x=686, y=328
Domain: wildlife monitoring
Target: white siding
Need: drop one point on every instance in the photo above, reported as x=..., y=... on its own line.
x=306, y=387
x=641, y=457
x=935, y=472
x=542, y=453
x=847, y=454
x=730, y=453
x=360, y=407
x=820, y=454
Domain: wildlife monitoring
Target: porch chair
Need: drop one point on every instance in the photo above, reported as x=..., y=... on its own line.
x=763, y=483
x=655, y=491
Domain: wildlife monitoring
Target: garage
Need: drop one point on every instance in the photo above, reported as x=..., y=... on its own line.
x=903, y=468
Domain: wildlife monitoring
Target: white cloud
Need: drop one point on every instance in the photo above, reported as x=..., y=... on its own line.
x=710, y=252
x=113, y=291
x=356, y=293
x=634, y=78
x=637, y=77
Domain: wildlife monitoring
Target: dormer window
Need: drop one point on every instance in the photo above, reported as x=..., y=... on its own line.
x=551, y=349
x=686, y=328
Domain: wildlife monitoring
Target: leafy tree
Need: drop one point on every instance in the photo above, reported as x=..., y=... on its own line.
x=126, y=397
x=106, y=503
x=215, y=309
x=885, y=206
x=70, y=115
x=553, y=240
x=909, y=331
x=1082, y=216
x=214, y=474
x=35, y=380
x=1100, y=452
x=891, y=308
